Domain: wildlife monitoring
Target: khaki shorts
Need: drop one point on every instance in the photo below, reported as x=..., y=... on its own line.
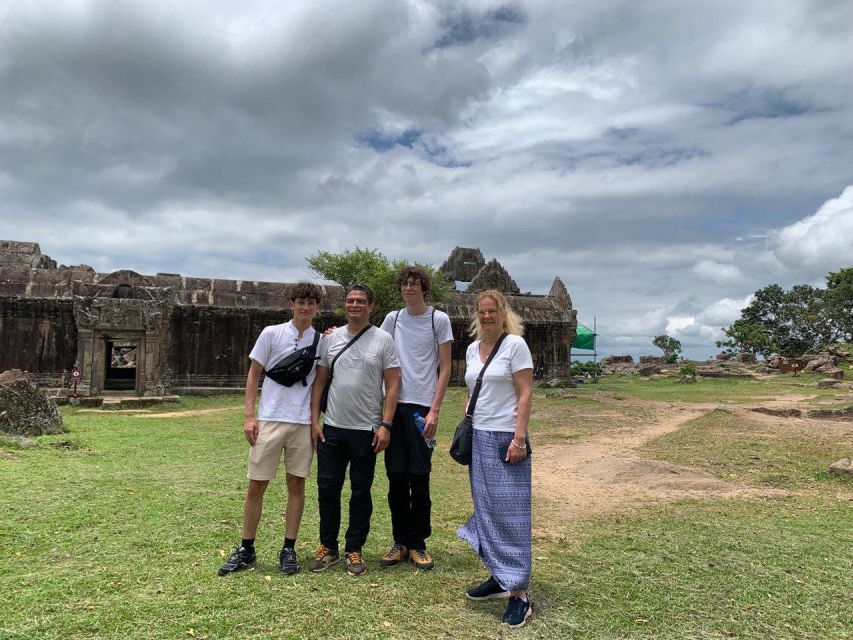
x=294, y=439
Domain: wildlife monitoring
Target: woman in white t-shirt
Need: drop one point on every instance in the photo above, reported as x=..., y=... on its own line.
x=500, y=529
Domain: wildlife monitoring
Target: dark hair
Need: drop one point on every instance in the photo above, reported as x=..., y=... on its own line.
x=305, y=291
x=361, y=287
x=416, y=273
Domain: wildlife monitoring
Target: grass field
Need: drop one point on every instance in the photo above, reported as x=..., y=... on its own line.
x=116, y=530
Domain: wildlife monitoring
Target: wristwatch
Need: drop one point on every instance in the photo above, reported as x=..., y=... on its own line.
x=387, y=425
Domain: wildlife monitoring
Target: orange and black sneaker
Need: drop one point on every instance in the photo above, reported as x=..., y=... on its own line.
x=323, y=559
x=421, y=559
x=396, y=554
x=355, y=563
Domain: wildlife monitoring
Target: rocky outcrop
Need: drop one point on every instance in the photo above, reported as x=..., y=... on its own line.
x=26, y=410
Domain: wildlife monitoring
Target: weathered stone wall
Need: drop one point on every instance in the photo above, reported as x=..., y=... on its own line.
x=198, y=332
x=37, y=335
x=210, y=346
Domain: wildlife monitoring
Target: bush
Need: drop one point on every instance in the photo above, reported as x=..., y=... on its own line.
x=585, y=368
x=688, y=369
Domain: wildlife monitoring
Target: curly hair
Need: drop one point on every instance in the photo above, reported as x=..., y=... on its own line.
x=416, y=273
x=305, y=291
x=512, y=323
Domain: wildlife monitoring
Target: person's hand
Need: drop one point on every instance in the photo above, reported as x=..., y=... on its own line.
x=515, y=454
x=330, y=331
x=316, y=435
x=250, y=430
x=381, y=439
x=431, y=424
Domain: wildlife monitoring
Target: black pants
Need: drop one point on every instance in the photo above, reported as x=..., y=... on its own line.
x=408, y=463
x=345, y=447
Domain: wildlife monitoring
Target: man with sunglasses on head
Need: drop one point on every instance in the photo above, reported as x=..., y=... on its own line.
x=423, y=337
x=359, y=358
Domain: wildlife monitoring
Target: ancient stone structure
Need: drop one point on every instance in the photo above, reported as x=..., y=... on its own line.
x=167, y=333
x=26, y=410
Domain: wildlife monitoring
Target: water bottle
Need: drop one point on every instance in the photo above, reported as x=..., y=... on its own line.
x=420, y=423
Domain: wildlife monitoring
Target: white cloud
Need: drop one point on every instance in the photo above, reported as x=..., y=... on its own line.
x=822, y=241
x=717, y=271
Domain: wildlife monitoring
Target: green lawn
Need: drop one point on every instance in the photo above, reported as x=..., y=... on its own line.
x=118, y=534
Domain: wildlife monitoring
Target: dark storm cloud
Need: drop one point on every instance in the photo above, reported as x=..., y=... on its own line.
x=665, y=161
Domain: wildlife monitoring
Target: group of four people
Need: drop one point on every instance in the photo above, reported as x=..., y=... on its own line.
x=377, y=383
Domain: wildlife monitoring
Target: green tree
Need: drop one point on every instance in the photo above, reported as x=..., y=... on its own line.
x=371, y=267
x=792, y=322
x=839, y=302
x=670, y=346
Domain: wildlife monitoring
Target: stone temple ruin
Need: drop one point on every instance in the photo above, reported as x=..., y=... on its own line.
x=168, y=333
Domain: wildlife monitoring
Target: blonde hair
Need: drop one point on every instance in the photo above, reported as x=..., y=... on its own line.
x=512, y=323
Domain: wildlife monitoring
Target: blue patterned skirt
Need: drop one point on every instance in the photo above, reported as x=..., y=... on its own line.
x=500, y=529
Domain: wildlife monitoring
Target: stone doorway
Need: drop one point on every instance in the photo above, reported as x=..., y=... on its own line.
x=120, y=366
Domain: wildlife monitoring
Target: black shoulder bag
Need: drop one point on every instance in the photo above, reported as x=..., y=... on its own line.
x=296, y=366
x=460, y=448
x=324, y=399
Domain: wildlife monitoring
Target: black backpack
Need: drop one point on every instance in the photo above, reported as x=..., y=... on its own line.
x=296, y=366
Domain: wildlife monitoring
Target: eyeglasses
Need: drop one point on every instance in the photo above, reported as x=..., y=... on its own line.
x=411, y=284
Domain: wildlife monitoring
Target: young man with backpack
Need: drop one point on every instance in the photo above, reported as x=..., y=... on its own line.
x=287, y=354
x=423, y=337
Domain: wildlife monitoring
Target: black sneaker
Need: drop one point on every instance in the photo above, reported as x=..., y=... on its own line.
x=489, y=589
x=242, y=558
x=517, y=612
x=287, y=561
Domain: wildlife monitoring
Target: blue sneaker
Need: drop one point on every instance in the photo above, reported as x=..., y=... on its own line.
x=489, y=589
x=517, y=612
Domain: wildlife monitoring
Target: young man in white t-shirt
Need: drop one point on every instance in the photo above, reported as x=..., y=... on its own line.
x=423, y=337
x=283, y=424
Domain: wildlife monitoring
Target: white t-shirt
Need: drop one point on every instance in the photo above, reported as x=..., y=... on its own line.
x=280, y=403
x=356, y=394
x=497, y=404
x=418, y=352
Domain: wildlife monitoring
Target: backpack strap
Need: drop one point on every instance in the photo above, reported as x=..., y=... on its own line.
x=394, y=328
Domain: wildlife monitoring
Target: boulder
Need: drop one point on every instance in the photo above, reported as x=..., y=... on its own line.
x=725, y=355
x=18, y=441
x=843, y=467
x=746, y=356
x=652, y=360
x=821, y=361
x=25, y=409
x=833, y=372
x=687, y=379
x=611, y=360
x=828, y=383
x=647, y=370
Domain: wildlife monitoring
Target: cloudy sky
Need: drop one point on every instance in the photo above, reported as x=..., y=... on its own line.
x=666, y=159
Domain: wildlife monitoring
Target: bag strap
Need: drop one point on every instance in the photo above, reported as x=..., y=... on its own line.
x=341, y=352
x=472, y=403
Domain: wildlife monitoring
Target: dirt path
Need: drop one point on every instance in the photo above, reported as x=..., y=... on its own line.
x=603, y=474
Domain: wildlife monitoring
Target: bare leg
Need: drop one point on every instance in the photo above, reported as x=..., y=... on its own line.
x=252, y=507
x=295, y=505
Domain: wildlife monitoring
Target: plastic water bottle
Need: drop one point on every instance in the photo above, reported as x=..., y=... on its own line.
x=420, y=423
